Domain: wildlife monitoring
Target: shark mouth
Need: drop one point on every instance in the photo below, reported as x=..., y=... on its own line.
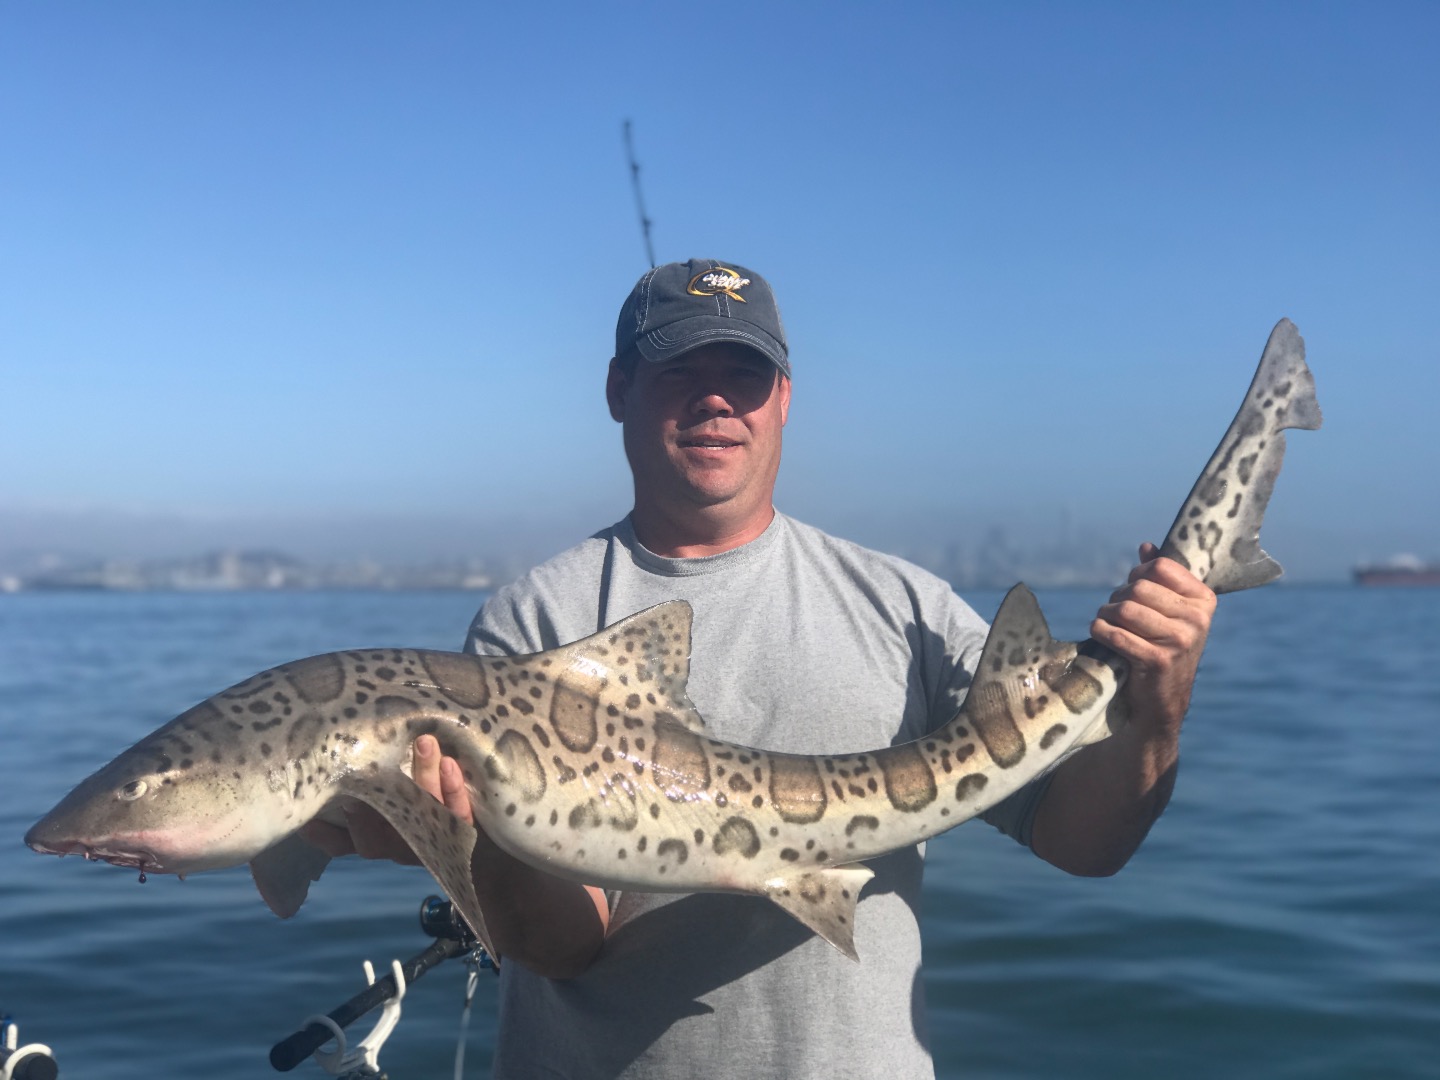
x=141, y=859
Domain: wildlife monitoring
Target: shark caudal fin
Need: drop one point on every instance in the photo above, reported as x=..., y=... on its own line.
x=1217, y=532
x=824, y=900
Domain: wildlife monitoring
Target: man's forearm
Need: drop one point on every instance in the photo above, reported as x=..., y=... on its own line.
x=550, y=925
x=1102, y=801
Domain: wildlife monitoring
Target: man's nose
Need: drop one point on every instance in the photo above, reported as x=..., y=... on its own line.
x=711, y=401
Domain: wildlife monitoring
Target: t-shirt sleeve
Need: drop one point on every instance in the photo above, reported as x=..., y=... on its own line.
x=503, y=627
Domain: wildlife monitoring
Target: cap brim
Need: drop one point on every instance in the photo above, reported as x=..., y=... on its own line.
x=678, y=338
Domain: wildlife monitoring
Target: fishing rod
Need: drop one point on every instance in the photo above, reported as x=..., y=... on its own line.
x=639, y=196
x=453, y=937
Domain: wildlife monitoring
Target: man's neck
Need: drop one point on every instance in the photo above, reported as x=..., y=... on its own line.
x=697, y=534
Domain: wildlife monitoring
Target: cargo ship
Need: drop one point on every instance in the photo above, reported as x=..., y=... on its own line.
x=1403, y=570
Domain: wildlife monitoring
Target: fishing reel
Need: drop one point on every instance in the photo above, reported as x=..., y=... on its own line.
x=439, y=919
x=30, y=1062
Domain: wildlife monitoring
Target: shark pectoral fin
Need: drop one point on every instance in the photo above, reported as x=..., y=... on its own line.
x=441, y=840
x=824, y=900
x=283, y=873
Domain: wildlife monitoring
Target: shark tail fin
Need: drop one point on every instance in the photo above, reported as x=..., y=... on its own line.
x=1217, y=532
x=824, y=900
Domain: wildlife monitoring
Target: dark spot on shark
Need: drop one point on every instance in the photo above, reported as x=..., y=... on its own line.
x=861, y=821
x=459, y=675
x=970, y=785
x=681, y=769
x=909, y=781
x=573, y=705
x=677, y=848
x=737, y=836
x=1078, y=689
x=1048, y=739
x=797, y=791
x=585, y=816
x=515, y=763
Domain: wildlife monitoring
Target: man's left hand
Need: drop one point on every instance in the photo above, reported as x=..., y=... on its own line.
x=1158, y=621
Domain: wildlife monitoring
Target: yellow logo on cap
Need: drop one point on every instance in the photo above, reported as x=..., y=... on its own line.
x=720, y=280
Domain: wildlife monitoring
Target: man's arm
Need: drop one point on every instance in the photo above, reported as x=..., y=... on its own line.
x=552, y=926
x=1102, y=801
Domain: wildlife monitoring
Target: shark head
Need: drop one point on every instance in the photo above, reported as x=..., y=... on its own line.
x=171, y=804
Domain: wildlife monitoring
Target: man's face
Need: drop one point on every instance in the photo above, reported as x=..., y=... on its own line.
x=703, y=429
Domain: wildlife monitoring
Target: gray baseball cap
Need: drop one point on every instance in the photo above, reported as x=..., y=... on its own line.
x=682, y=305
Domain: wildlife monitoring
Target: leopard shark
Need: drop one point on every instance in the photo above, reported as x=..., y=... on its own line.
x=589, y=762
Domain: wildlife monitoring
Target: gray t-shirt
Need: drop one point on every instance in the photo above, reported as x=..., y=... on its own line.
x=805, y=644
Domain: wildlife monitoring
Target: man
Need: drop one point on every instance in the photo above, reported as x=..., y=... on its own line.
x=802, y=643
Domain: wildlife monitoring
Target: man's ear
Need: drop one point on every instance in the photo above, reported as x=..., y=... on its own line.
x=783, y=389
x=615, y=386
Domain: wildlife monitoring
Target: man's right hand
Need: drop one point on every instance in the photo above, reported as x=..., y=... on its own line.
x=551, y=925
x=370, y=836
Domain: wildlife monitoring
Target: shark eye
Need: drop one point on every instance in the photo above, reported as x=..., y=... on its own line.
x=133, y=790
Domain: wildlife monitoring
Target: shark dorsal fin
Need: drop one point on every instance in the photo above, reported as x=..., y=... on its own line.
x=1018, y=646
x=647, y=654
x=1018, y=638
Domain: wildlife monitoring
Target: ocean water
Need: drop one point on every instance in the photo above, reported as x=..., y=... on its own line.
x=1283, y=920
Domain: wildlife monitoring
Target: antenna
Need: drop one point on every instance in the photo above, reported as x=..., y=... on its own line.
x=639, y=197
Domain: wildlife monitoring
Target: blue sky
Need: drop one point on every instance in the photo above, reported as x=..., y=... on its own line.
x=346, y=274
